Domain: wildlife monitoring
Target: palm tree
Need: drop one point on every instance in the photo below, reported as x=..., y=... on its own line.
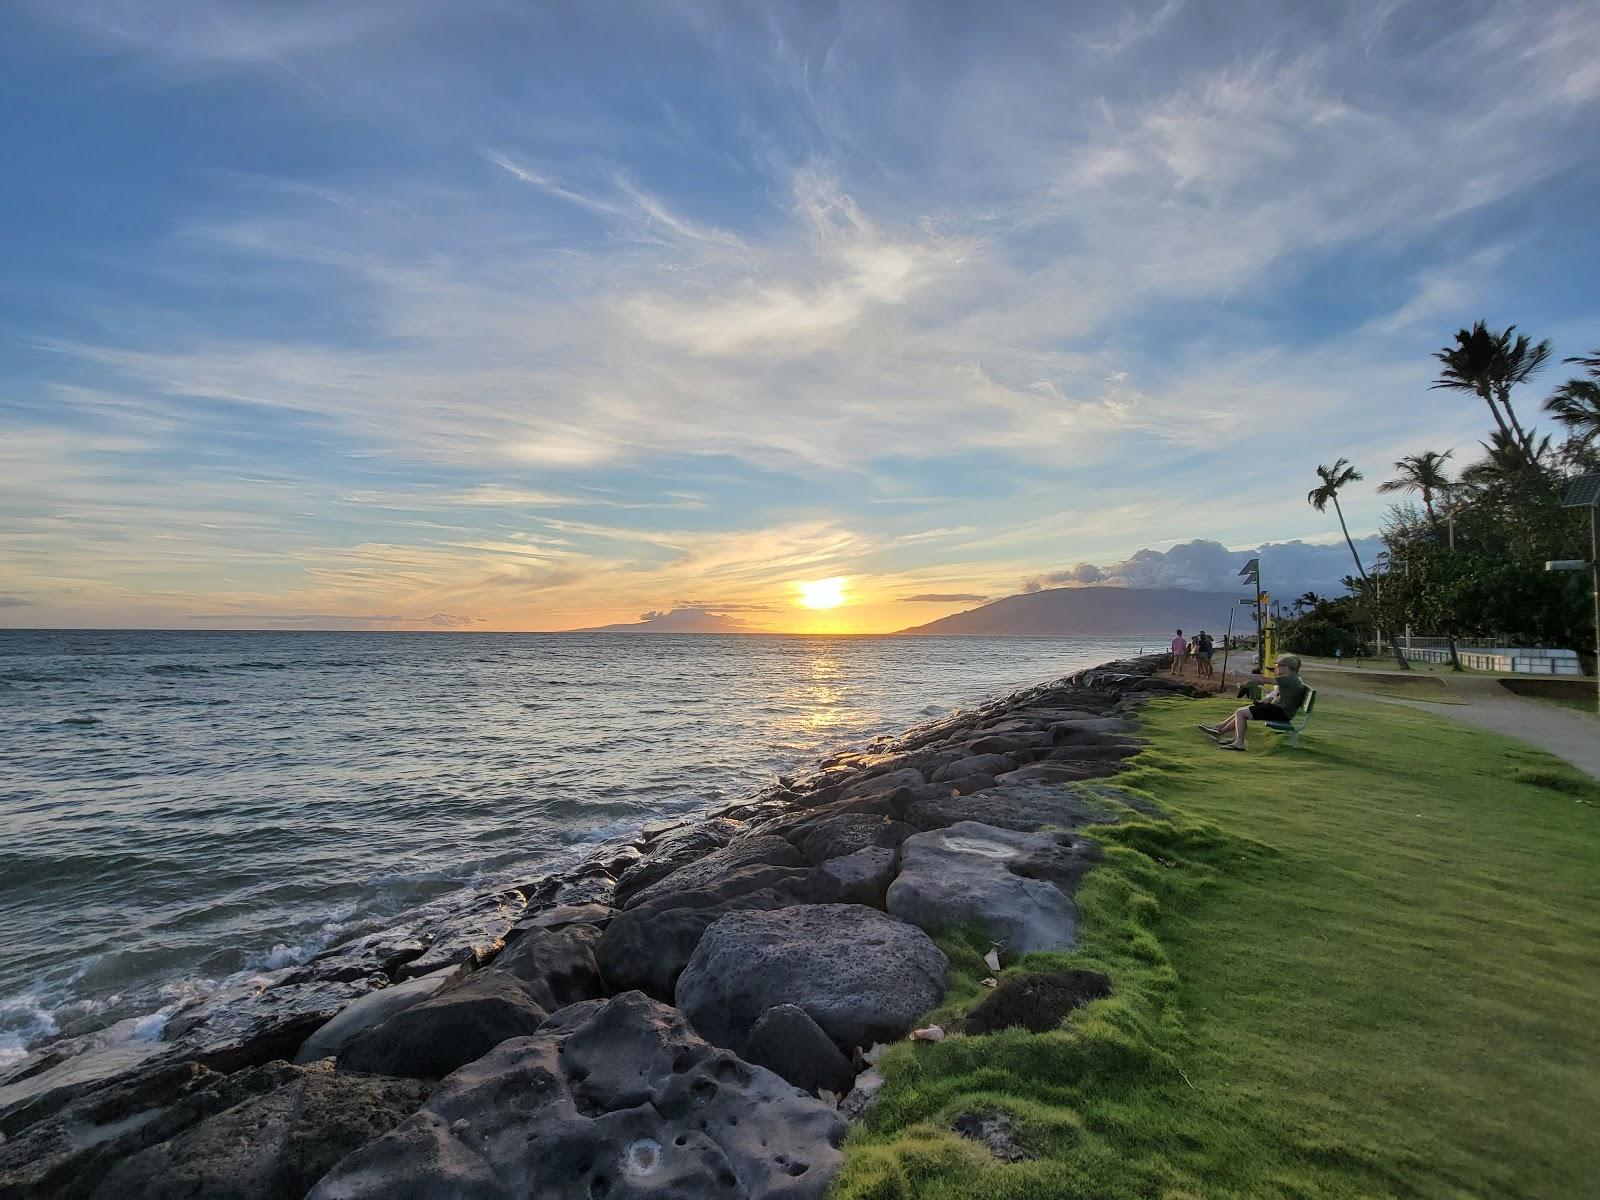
x=1308, y=600
x=1503, y=460
x=1333, y=478
x=1489, y=365
x=1423, y=473
x=1576, y=403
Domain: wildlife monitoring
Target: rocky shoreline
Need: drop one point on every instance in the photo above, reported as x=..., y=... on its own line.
x=689, y=1012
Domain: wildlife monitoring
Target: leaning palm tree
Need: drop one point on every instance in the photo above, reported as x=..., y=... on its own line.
x=1333, y=478
x=1489, y=365
x=1422, y=473
x=1576, y=403
x=1504, y=461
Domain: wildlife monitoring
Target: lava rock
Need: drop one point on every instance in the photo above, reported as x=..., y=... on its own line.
x=559, y=916
x=882, y=783
x=270, y=1147
x=431, y=1039
x=863, y=976
x=1007, y=743
x=673, y=850
x=1024, y=806
x=976, y=764
x=789, y=1043
x=837, y=836
x=374, y=1009
x=471, y=934
x=648, y=947
x=1035, y=1001
x=862, y=877
x=749, y=850
x=556, y=966
x=997, y=879
x=617, y=1099
x=1062, y=772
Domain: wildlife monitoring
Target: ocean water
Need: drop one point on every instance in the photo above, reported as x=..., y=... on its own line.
x=179, y=810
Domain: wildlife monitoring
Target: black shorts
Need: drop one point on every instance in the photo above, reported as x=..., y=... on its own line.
x=1268, y=712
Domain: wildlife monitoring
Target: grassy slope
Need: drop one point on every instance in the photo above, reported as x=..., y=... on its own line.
x=1369, y=967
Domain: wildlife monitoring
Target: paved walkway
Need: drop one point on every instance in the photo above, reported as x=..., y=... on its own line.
x=1481, y=701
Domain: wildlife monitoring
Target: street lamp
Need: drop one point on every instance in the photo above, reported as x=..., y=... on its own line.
x=1584, y=492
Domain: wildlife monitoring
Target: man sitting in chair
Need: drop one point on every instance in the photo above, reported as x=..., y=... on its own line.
x=1280, y=704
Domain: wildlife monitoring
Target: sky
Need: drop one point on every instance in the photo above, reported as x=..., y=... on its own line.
x=498, y=315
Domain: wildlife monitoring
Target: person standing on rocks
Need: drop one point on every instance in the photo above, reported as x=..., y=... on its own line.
x=1178, y=647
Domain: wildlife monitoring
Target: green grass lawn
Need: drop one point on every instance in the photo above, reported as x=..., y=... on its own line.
x=1369, y=967
x=1393, y=686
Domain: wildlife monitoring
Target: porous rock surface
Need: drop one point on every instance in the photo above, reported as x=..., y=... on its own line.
x=617, y=1099
x=861, y=975
x=749, y=850
x=273, y=1146
x=1031, y=805
x=996, y=879
x=373, y=1009
x=555, y=966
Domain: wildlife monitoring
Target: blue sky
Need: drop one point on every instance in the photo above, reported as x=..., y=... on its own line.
x=503, y=315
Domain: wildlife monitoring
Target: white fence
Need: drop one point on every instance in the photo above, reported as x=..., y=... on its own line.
x=1488, y=656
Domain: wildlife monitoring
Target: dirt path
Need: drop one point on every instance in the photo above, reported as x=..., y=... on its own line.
x=1480, y=700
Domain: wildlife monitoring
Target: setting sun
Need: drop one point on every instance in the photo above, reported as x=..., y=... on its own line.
x=822, y=593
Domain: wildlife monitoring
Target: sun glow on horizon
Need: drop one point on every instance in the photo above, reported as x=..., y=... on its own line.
x=822, y=593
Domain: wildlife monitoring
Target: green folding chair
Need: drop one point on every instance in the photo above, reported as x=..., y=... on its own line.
x=1299, y=722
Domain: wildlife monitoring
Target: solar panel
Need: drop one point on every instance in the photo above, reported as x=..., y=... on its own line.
x=1583, y=492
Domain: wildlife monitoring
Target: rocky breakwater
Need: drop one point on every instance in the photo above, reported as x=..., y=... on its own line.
x=683, y=1015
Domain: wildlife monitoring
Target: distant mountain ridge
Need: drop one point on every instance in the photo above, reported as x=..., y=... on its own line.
x=1091, y=612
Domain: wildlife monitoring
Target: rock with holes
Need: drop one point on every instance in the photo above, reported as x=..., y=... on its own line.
x=849, y=832
x=1001, y=881
x=614, y=1099
x=862, y=877
x=269, y=1147
x=862, y=976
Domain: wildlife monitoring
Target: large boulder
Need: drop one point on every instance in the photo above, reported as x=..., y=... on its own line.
x=674, y=849
x=431, y=1039
x=615, y=1099
x=374, y=1009
x=789, y=1043
x=646, y=948
x=556, y=966
x=1062, y=772
x=862, y=976
x=846, y=833
x=976, y=764
x=862, y=877
x=997, y=879
x=882, y=783
x=750, y=850
x=270, y=1147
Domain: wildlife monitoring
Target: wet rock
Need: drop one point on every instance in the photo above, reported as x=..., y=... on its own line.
x=258, y=1022
x=863, y=976
x=470, y=935
x=54, y=1075
x=789, y=1043
x=1005, y=882
x=374, y=1009
x=862, y=877
x=676, y=848
x=612, y=1099
x=386, y=950
x=594, y=885
x=433, y=1038
x=837, y=836
x=270, y=1147
x=1024, y=806
x=556, y=966
x=976, y=764
x=747, y=850
x=1035, y=1001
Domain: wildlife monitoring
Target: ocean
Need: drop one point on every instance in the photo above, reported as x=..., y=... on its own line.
x=179, y=810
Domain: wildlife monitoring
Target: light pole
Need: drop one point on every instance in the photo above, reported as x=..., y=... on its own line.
x=1584, y=492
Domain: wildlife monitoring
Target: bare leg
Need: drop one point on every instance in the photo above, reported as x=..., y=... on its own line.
x=1240, y=720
